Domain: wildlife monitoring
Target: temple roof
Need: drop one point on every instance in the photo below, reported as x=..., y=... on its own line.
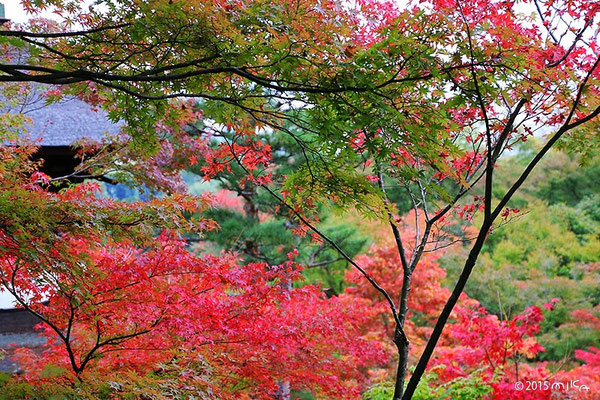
x=60, y=123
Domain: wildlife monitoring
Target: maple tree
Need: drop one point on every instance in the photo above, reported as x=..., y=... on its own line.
x=480, y=355
x=136, y=310
x=259, y=227
x=128, y=313
x=190, y=324
x=428, y=98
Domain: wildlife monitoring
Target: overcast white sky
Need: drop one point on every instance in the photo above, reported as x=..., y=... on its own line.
x=13, y=10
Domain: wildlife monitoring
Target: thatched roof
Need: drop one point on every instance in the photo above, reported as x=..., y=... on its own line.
x=61, y=123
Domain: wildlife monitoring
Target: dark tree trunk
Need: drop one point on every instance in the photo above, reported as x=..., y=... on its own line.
x=402, y=344
x=445, y=314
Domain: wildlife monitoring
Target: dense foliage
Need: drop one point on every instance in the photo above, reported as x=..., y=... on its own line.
x=323, y=125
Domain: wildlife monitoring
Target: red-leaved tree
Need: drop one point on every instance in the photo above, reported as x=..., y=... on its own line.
x=159, y=320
